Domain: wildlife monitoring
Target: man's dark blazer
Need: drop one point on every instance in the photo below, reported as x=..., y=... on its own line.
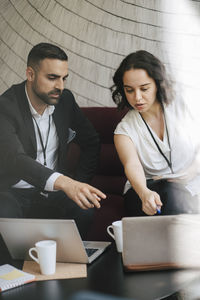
x=18, y=142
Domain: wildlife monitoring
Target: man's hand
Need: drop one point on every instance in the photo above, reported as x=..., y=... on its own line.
x=84, y=195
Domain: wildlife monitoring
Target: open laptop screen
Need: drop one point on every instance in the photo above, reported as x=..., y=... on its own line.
x=22, y=234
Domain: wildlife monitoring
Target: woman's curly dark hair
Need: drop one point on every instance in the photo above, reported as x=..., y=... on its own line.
x=155, y=69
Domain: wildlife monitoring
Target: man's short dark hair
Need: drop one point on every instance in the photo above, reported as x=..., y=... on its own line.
x=45, y=50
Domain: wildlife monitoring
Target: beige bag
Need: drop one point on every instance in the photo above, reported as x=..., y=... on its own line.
x=161, y=242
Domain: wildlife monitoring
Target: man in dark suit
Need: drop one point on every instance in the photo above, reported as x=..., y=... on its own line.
x=38, y=120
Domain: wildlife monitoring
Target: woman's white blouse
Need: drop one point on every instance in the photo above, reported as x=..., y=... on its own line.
x=183, y=137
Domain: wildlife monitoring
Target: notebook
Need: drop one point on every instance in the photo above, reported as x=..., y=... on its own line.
x=11, y=277
x=22, y=234
x=161, y=242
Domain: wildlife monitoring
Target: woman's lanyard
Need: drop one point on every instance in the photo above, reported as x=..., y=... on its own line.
x=169, y=161
x=44, y=147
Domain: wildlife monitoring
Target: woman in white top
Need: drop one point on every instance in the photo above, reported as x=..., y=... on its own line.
x=155, y=141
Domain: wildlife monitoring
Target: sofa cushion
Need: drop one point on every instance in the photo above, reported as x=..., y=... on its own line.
x=104, y=120
x=109, y=184
x=109, y=162
x=112, y=209
x=109, y=177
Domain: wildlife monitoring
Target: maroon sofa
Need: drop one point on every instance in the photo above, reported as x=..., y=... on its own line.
x=109, y=177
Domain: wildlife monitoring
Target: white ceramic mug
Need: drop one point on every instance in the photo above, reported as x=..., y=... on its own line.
x=115, y=231
x=46, y=256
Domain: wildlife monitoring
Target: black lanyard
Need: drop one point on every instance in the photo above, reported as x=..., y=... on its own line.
x=169, y=161
x=44, y=147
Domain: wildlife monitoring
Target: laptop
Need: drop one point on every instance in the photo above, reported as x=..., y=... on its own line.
x=161, y=242
x=22, y=234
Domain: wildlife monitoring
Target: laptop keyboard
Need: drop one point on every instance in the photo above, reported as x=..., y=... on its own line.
x=90, y=251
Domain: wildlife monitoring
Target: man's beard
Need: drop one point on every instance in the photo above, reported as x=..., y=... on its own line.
x=47, y=98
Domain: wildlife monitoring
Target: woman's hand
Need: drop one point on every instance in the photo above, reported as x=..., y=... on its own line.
x=187, y=175
x=150, y=202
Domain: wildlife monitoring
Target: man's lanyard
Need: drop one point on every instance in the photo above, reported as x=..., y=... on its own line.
x=44, y=147
x=169, y=161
